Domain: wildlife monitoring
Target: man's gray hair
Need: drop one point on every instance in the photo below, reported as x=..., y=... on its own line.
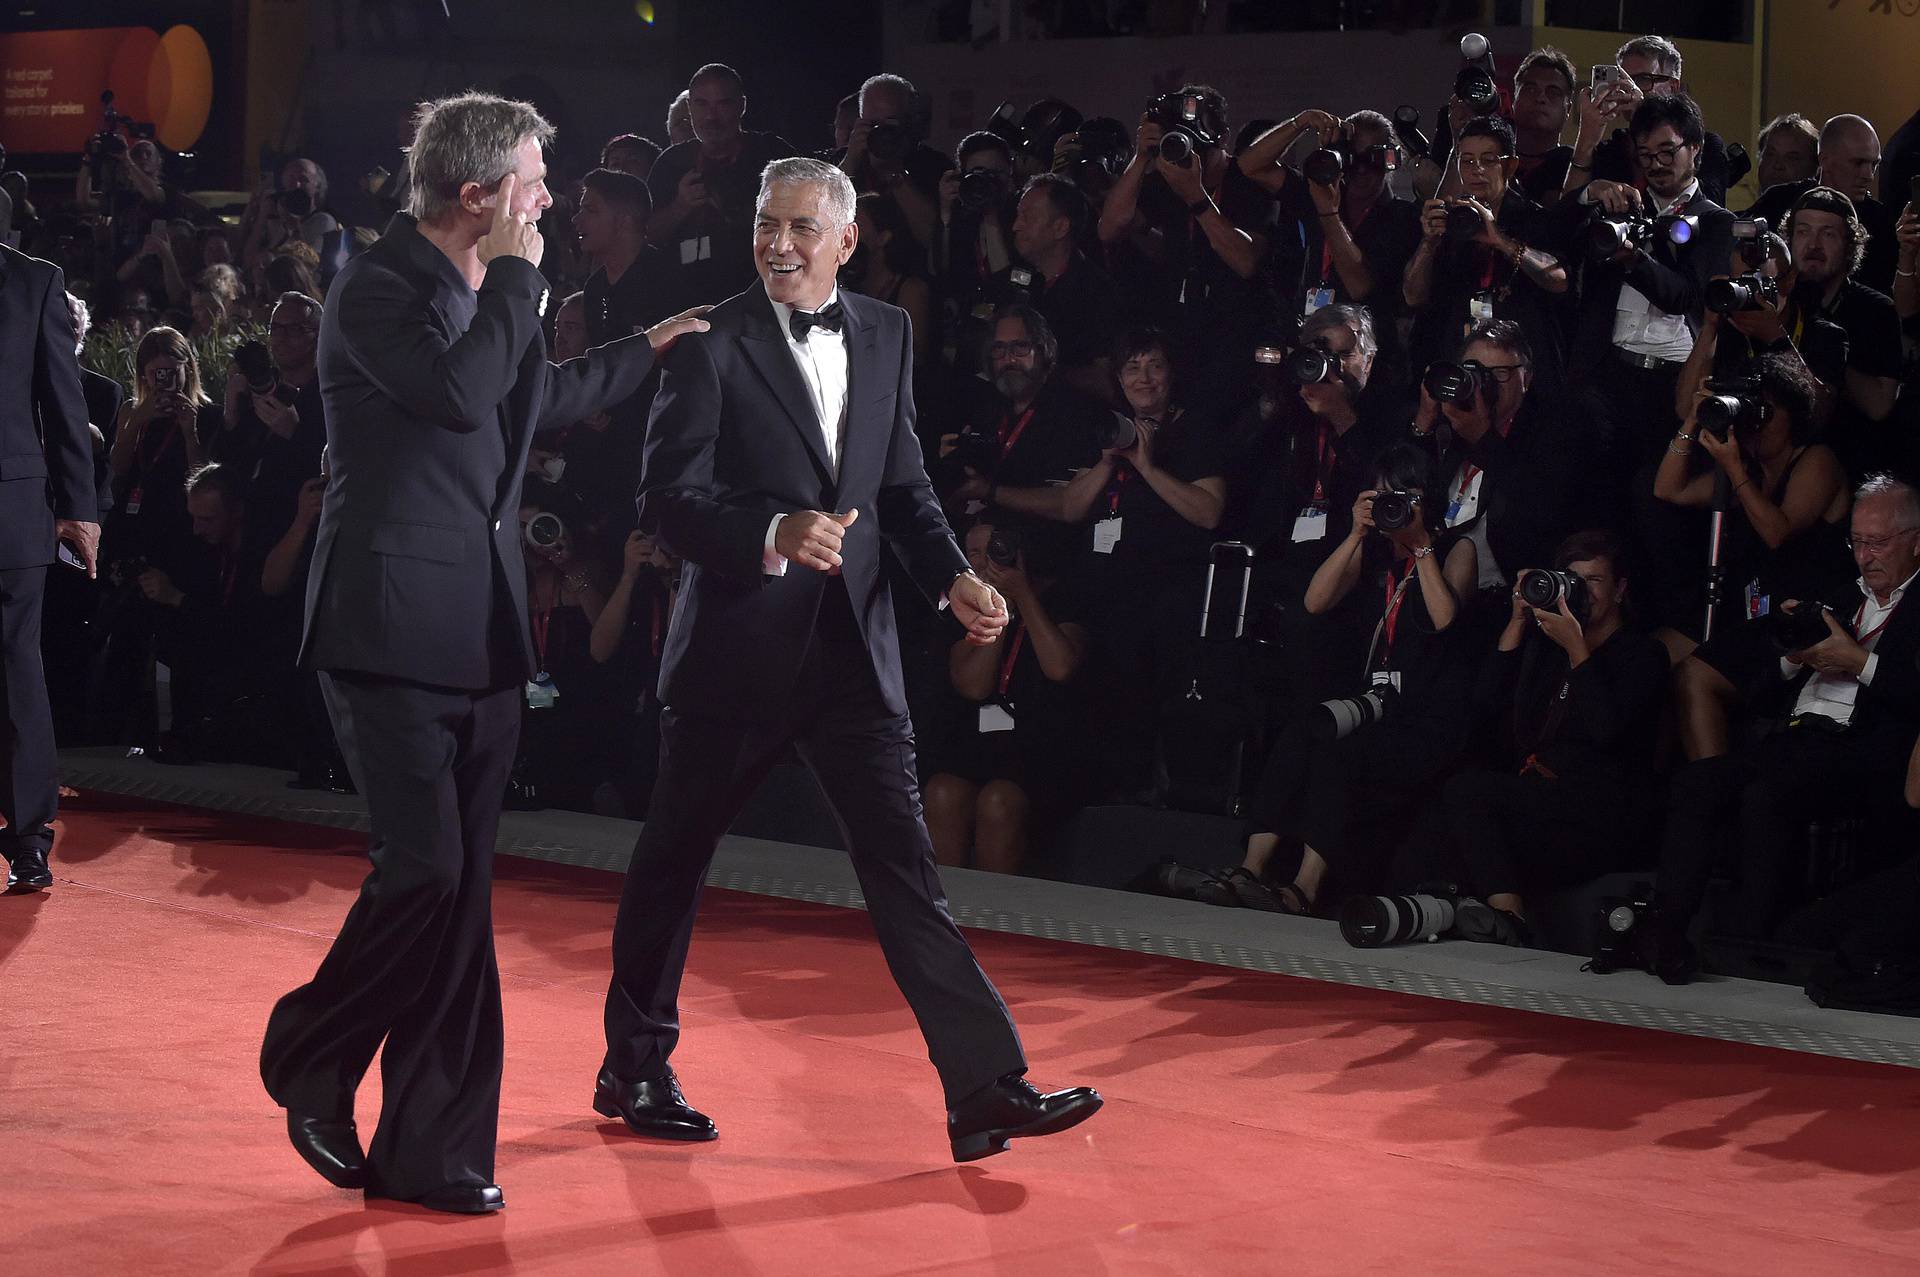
x=1792, y=122
x=1357, y=320
x=82, y=322
x=1665, y=54
x=471, y=137
x=798, y=169
x=1885, y=485
x=886, y=80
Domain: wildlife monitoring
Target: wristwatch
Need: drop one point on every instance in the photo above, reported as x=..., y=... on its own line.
x=1422, y=551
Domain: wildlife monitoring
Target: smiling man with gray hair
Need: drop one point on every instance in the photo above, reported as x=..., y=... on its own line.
x=781, y=459
x=434, y=375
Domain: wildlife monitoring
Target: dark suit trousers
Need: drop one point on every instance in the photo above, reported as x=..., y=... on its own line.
x=862, y=755
x=1513, y=833
x=1760, y=803
x=413, y=963
x=29, y=788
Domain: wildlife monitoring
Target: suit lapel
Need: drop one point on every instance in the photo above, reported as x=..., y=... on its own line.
x=760, y=340
x=863, y=375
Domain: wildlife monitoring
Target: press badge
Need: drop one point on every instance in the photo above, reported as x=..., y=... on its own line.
x=132, y=505
x=541, y=693
x=1386, y=678
x=1021, y=278
x=697, y=249
x=1310, y=525
x=1106, y=535
x=995, y=717
x=1480, y=308
x=1759, y=603
x=1317, y=299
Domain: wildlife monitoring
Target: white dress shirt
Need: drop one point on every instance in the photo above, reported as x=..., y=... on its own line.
x=1640, y=327
x=822, y=360
x=1833, y=695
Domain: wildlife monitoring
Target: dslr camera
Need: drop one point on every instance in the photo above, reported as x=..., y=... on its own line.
x=1544, y=588
x=1604, y=236
x=297, y=202
x=1757, y=243
x=1734, y=405
x=1449, y=381
x=1393, y=510
x=1475, y=84
x=1743, y=292
x=975, y=451
x=255, y=363
x=544, y=531
x=984, y=188
x=1799, y=627
x=1004, y=547
x=1189, y=122
x=1341, y=717
x=1327, y=165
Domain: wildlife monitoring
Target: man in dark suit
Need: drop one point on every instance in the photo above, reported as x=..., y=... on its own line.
x=435, y=377
x=780, y=455
x=46, y=495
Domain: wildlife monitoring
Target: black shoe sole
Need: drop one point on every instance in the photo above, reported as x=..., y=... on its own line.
x=605, y=1107
x=452, y=1204
x=985, y=1144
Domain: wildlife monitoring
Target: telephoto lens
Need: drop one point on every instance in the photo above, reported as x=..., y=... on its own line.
x=1374, y=922
x=255, y=363
x=1745, y=292
x=1121, y=433
x=1475, y=87
x=1406, y=124
x=1450, y=382
x=1323, y=167
x=544, y=530
x=1341, y=717
x=1735, y=407
x=1394, y=510
x=1604, y=236
x=1310, y=367
x=1797, y=628
x=1463, y=222
x=1177, y=149
x=1543, y=588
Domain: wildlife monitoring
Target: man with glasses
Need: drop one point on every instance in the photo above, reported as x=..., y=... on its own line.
x=1839, y=747
x=1651, y=66
x=275, y=434
x=1849, y=162
x=1543, y=100
x=1641, y=305
x=1512, y=471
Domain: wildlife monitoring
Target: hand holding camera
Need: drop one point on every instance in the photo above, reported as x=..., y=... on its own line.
x=1616, y=198
x=280, y=418
x=312, y=496
x=1837, y=654
x=1146, y=138
x=636, y=555
x=158, y=587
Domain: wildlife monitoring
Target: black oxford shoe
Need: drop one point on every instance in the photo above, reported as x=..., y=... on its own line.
x=654, y=1107
x=29, y=870
x=980, y=1125
x=330, y=1147
x=455, y=1199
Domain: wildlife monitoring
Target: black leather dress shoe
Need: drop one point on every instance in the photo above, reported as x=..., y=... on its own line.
x=455, y=1199
x=980, y=1125
x=28, y=870
x=330, y=1147
x=653, y=1107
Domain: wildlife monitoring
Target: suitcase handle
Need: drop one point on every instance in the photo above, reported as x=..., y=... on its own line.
x=1244, y=552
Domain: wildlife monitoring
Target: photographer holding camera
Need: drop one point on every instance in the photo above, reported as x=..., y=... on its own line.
x=1482, y=256
x=1847, y=160
x=1079, y=299
x=276, y=423
x=1579, y=689
x=886, y=154
x=1784, y=537
x=1517, y=479
x=165, y=433
x=1642, y=289
x=1013, y=763
x=975, y=236
x=291, y=206
x=1343, y=772
x=1841, y=747
x=1644, y=68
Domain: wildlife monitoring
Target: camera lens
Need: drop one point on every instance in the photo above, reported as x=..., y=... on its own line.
x=1176, y=149
x=979, y=190
x=1393, y=511
x=544, y=530
x=1449, y=382
x=1323, y=167
x=1310, y=367
x=1475, y=87
x=1003, y=548
x=1463, y=222
x=1373, y=922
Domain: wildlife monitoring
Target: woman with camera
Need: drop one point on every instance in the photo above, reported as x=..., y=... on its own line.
x=165, y=432
x=1581, y=690
x=1784, y=535
x=1342, y=775
x=1148, y=510
x=1010, y=765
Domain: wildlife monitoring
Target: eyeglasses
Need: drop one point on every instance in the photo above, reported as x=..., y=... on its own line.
x=1662, y=157
x=1648, y=79
x=1875, y=546
x=1017, y=349
x=1502, y=373
x=1475, y=162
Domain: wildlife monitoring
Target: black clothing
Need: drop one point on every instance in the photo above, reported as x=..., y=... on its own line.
x=1535, y=486
x=1613, y=162
x=639, y=300
x=1155, y=536
x=1601, y=721
x=1873, y=348
x=1085, y=309
x=1883, y=245
x=151, y=516
x=1542, y=179
x=1386, y=235
x=277, y=466
x=710, y=256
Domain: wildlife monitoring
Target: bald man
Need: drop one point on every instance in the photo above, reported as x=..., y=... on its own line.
x=1850, y=164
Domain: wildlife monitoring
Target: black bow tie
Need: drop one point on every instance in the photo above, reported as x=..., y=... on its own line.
x=829, y=317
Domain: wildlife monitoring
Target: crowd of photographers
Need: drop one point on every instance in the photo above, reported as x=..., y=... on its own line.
x=1474, y=512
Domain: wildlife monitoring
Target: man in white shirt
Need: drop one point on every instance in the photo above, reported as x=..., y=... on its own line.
x=781, y=452
x=1841, y=750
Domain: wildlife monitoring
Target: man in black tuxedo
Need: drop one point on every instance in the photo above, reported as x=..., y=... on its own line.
x=780, y=455
x=435, y=378
x=46, y=495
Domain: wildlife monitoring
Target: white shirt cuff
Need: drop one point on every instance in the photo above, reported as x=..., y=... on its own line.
x=771, y=562
x=1867, y=670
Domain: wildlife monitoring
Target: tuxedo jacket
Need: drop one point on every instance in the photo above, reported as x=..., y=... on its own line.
x=1887, y=710
x=734, y=439
x=46, y=451
x=433, y=392
x=1672, y=277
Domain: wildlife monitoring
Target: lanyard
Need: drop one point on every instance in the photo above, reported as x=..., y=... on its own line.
x=1396, y=595
x=1009, y=438
x=1873, y=633
x=1326, y=456
x=1114, y=486
x=542, y=617
x=1468, y=473
x=1013, y=654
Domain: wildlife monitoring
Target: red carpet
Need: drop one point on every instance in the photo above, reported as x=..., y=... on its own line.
x=1255, y=1124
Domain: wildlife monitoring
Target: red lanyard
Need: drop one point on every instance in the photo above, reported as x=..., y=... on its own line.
x=1396, y=595
x=1013, y=654
x=1008, y=439
x=542, y=617
x=1120, y=476
x=1325, y=457
x=1873, y=633
x=1468, y=473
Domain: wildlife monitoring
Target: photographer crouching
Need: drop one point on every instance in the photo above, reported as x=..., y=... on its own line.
x=1581, y=688
x=1342, y=776
x=1839, y=748
x=1012, y=764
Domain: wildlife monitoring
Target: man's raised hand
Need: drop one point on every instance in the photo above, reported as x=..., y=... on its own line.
x=511, y=234
x=812, y=539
